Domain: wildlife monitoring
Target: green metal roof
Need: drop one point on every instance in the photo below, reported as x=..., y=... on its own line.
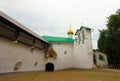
x=81, y=28
x=57, y=39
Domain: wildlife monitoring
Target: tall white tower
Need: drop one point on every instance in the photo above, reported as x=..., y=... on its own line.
x=70, y=33
x=83, y=53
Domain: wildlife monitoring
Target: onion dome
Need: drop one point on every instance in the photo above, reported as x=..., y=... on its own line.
x=70, y=31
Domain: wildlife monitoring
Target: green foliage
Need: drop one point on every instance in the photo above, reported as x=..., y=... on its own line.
x=101, y=58
x=102, y=40
x=95, y=50
x=109, y=40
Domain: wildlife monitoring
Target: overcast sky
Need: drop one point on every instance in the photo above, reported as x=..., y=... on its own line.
x=54, y=17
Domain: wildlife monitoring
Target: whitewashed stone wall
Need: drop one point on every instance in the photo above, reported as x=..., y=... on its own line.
x=83, y=54
x=64, y=58
x=69, y=55
x=12, y=53
x=101, y=63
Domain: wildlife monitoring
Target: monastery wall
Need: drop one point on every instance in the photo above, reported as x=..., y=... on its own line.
x=103, y=62
x=82, y=58
x=64, y=58
x=15, y=57
x=18, y=57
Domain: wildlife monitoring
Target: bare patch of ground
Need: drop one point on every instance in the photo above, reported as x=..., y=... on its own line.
x=65, y=75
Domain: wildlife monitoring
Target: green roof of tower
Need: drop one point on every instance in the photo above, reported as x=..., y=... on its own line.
x=83, y=27
x=57, y=39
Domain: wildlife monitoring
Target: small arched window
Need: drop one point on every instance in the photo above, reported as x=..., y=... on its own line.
x=79, y=38
x=36, y=63
x=83, y=36
x=101, y=58
x=65, y=52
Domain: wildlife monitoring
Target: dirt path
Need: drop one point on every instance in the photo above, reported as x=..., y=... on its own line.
x=113, y=70
x=65, y=75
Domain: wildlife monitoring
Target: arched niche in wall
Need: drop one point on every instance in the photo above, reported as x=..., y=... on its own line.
x=94, y=59
x=18, y=66
x=36, y=63
x=49, y=67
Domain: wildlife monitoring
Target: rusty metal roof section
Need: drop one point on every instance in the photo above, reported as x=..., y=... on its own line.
x=20, y=25
x=13, y=30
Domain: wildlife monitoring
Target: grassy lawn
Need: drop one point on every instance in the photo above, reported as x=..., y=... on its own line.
x=65, y=75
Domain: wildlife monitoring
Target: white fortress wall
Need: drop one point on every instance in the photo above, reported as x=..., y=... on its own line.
x=12, y=53
x=64, y=58
x=83, y=50
x=82, y=58
x=89, y=47
x=99, y=62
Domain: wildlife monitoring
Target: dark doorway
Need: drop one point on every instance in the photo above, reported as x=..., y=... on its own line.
x=49, y=67
x=94, y=59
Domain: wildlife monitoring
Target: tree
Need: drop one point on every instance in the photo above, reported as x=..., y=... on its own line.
x=109, y=40
x=102, y=40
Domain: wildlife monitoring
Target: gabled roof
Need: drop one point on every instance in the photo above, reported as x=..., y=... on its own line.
x=57, y=39
x=81, y=28
x=85, y=28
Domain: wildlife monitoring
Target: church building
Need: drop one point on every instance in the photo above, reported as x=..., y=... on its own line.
x=23, y=50
x=72, y=53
